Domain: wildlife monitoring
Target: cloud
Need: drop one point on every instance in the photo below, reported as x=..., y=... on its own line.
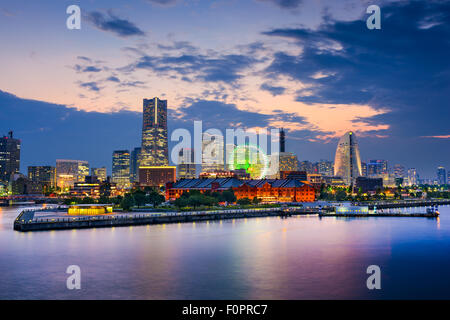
x=83, y=69
x=274, y=90
x=221, y=68
x=285, y=4
x=92, y=86
x=403, y=68
x=111, y=23
x=163, y=2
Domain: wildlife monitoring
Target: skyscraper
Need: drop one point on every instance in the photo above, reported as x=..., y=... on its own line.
x=441, y=175
x=282, y=141
x=347, y=163
x=121, y=168
x=326, y=168
x=134, y=164
x=186, y=165
x=154, y=149
x=70, y=171
x=212, y=153
x=288, y=161
x=9, y=157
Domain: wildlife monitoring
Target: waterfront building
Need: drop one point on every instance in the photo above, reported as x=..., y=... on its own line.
x=20, y=184
x=186, y=168
x=347, y=163
x=100, y=173
x=212, y=152
x=441, y=176
x=266, y=190
x=89, y=209
x=365, y=184
x=90, y=188
x=154, y=148
x=45, y=175
x=70, y=171
x=315, y=179
x=156, y=176
x=134, y=164
x=9, y=157
x=121, y=169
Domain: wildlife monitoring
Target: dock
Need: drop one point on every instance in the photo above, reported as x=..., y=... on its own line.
x=26, y=221
x=386, y=214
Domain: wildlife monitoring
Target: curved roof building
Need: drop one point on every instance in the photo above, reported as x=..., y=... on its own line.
x=347, y=163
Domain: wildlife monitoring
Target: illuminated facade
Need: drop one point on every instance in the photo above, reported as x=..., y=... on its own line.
x=288, y=162
x=156, y=176
x=70, y=171
x=45, y=175
x=9, y=157
x=186, y=167
x=268, y=190
x=347, y=163
x=154, y=148
x=441, y=175
x=89, y=209
x=212, y=152
x=100, y=173
x=377, y=167
x=121, y=169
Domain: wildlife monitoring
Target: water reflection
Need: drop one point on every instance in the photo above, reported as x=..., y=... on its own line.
x=263, y=258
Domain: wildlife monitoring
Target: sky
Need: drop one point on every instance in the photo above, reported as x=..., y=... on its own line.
x=310, y=66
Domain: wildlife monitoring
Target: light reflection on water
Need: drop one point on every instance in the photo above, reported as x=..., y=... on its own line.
x=265, y=258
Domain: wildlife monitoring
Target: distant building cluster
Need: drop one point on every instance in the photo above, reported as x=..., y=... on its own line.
x=148, y=166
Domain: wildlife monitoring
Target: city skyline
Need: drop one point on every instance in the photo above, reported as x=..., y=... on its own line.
x=317, y=80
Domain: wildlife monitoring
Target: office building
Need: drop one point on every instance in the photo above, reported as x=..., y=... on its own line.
x=365, y=184
x=9, y=157
x=325, y=168
x=377, y=167
x=156, y=176
x=70, y=171
x=45, y=175
x=154, y=148
x=399, y=171
x=134, y=164
x=121, y=169
x=186, y=167
x=212, y=153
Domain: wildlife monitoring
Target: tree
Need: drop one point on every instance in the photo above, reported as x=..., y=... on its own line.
x=228, y=196
x=244, y=201
x=341, y=195
x=155, y=198
x=139, y=197
x=127, y=202
x=256, y=200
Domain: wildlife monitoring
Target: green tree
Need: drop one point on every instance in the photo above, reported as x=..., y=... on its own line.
x=244, y=201
x=155, y=198
x=127, y=202
x=341, y=195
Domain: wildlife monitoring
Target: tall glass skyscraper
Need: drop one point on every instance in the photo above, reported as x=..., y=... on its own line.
x=154, y=149
x=441, y=175
x=134, y=164
x=9, y=157
x=121, y=168
x=347, y=163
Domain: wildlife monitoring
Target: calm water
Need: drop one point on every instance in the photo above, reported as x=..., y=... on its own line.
x=266, y=258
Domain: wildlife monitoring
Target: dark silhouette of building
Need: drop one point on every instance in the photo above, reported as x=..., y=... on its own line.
x=368, y=184
x=9, y=157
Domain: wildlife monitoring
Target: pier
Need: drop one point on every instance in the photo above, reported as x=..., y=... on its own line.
x=404, y=203
x=26, y=221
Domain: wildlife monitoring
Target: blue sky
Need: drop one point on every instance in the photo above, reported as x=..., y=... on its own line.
x=312, y=67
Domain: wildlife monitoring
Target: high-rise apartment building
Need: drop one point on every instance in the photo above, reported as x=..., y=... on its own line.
x=399, y=171
x=413, y=177
x=9, y=157
x=154, y=149
x=325, y=168
x=377, y=167
x=121, y=169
